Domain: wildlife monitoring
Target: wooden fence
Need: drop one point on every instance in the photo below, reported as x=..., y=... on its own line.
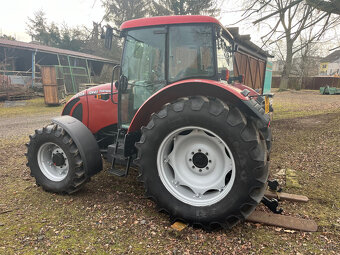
x=308, y=82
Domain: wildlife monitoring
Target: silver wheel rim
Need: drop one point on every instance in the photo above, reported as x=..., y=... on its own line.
x=196, y=166
x=51, y=170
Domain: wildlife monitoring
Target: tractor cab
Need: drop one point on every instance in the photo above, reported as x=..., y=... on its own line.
x=164, y=50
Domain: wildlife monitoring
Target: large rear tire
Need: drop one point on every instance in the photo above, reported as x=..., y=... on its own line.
x=203, y=162
x=55, y=161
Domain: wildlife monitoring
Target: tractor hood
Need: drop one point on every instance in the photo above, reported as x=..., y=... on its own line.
x=94, y=107
x=100, y=89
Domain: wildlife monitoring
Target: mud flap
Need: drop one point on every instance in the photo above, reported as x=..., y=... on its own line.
x=85, y=141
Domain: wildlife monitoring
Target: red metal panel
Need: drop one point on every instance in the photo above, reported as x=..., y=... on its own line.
x=102, y=113
x=97, y=113
x=180, y=19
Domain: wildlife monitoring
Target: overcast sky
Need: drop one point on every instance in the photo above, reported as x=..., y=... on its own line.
x=14, y=14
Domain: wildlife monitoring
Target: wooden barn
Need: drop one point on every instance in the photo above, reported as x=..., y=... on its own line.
x=21, y=64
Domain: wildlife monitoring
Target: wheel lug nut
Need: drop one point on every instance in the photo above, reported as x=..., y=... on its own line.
x=192, y=153
x=206, y=153
x=193, y=166
x=207, y=168
x=190, y=159
x=209, y=161
x=199, y=150
x=200, y=170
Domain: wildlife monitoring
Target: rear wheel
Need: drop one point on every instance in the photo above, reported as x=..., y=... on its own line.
x=196, y=166
x=203, y=162
x=55, y=161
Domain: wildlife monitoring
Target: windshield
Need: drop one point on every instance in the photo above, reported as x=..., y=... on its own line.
x=143, y=65
x=190, y=52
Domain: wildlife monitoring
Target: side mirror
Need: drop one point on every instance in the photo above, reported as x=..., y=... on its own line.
x=108, y=37
x=123, y=83
x=116, y=84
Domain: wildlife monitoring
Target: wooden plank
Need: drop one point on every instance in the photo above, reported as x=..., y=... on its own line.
x=286, y=196
x=179, y=226
x=283, y=221
x=51, y=94
x=48, y=75
x=50, y=85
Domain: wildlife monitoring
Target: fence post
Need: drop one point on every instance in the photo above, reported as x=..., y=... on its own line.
x=72, y=78
x=33, y=67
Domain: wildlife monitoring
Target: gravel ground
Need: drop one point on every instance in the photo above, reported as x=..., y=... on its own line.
x=23, y=125
x=111, y=216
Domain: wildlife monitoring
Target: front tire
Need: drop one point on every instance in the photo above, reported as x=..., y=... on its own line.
x=203, y=162
x=55, y=161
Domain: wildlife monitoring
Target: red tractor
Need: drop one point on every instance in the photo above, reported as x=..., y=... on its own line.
x=201, y=144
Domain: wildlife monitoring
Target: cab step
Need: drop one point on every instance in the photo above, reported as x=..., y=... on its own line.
x=117, y=172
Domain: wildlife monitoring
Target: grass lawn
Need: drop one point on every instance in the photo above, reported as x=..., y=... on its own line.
x=111, y=216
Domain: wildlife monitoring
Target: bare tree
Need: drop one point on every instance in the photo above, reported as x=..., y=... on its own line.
x=289, y=18
x=119, y=11
x=184, y=7
x=331, y=6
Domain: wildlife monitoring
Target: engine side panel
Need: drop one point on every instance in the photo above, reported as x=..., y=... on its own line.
x=102, y=112
x=93, y=107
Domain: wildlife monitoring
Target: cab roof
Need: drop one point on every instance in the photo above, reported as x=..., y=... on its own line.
x=166, y=20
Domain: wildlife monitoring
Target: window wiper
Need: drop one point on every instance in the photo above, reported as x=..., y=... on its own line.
x=135, y=39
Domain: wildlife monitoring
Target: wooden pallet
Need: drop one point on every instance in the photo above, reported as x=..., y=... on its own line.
x=283, y=221
x=272, y=219
x=19, y=97
x=286, y=196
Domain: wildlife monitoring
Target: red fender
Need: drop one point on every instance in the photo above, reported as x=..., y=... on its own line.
x=241, y=86
x=185, y=88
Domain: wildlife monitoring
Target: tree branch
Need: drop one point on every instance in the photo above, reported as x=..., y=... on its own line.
x=329, y=7
x=278, y=11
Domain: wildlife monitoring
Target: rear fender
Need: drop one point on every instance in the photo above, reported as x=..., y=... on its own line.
x=186, y=88
x=85, y=141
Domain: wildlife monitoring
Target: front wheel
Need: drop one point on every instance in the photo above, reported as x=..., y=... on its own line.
x=203, y=162
x=55, y=161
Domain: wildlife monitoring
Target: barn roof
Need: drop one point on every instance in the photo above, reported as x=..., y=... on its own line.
x=52, y=50
x=334, y=56
x=244, y=40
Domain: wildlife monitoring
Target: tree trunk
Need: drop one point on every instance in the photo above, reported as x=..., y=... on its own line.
x=287, y=67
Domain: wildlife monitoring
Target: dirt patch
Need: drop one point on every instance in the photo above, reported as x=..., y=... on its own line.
x=23, y=125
